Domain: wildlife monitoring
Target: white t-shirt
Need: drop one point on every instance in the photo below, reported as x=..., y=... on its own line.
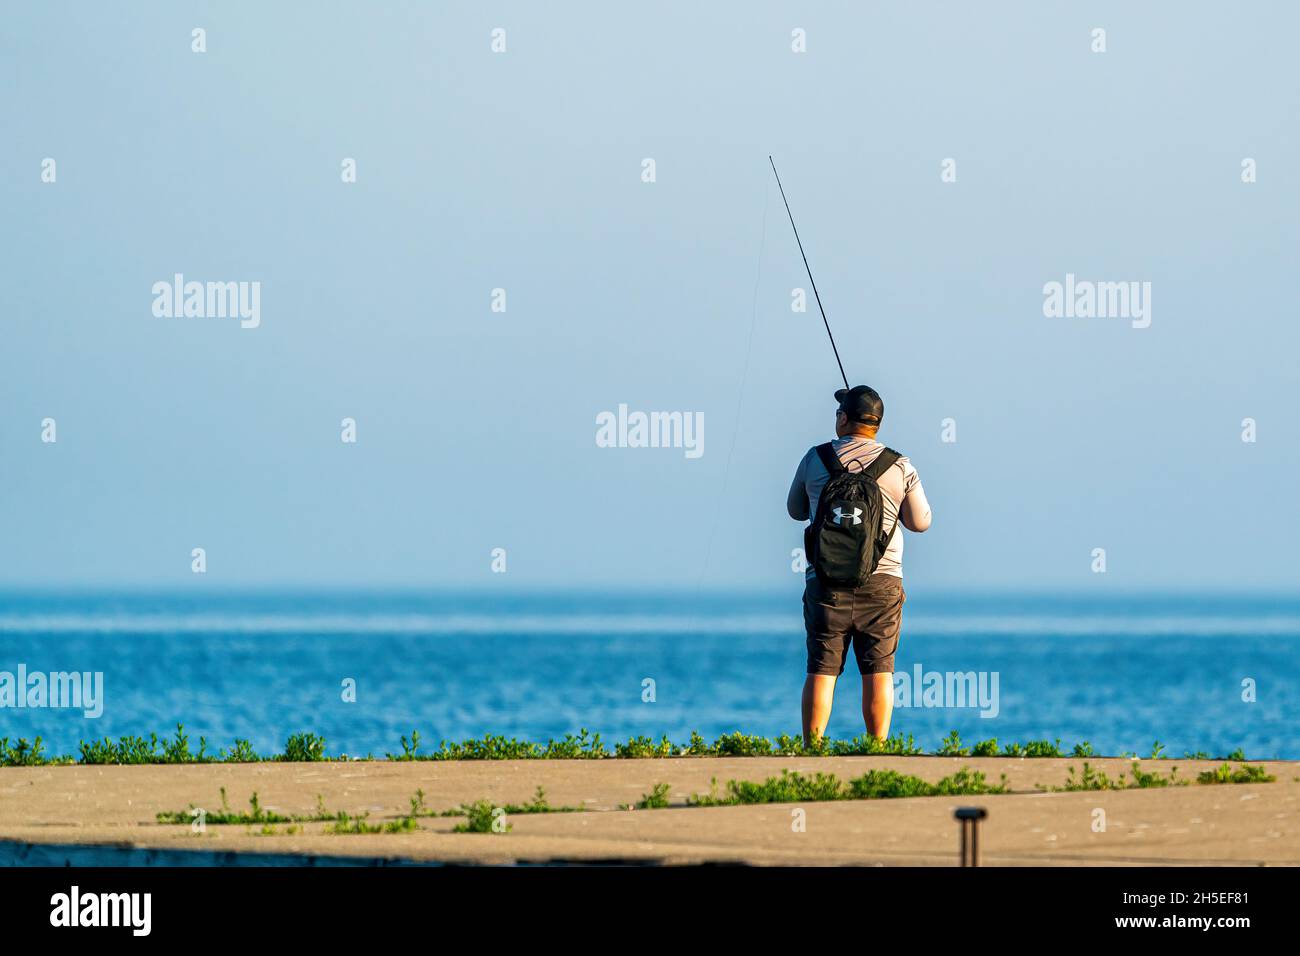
x=897, y=483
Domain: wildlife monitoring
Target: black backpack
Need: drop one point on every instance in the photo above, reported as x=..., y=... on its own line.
x=844, y=542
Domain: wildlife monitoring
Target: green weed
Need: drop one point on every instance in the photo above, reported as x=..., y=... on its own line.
x=951, y=746
x=344, y=825
x=241, y=752
x=656, y=799
x=303, y=748
x=22, y=753
x=794, y=787
x=1247, y=773
x=410, y=749
x=644, y=747
x=584, y=745
x=482, y=817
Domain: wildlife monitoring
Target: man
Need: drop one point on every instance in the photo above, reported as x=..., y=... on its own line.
x=866, y=617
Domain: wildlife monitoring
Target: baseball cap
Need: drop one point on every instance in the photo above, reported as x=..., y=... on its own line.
x=861, y=403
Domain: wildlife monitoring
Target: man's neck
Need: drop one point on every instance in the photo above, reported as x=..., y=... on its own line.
x=859, y=436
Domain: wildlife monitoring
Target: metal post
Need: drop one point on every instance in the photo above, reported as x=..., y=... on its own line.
x=968, y=819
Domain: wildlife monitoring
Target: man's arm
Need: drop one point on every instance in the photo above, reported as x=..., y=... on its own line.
x=915, y=511
x=796, y=502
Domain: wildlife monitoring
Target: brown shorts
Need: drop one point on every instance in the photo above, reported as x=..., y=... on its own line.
x=869, y=618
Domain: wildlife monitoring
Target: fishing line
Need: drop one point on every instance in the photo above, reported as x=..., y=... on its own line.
x=809, y=270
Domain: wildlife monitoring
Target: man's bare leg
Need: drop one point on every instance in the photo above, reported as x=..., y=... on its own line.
x=877, y=703
x=818, y=695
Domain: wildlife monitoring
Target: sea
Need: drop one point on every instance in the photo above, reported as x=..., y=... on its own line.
x=1134, y=674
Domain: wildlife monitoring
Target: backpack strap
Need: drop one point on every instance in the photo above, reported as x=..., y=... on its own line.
x=884, y=461
x=830, y=460
x=885, y=541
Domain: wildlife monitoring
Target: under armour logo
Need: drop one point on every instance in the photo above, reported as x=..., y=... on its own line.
x=840, y=516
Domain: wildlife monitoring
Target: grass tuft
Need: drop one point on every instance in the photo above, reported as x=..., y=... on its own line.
x=795, y=787
x=1247, y=773
x=656, y=799
x=585, y=745
x=482, y=817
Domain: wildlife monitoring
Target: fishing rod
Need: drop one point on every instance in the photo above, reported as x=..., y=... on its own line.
x=809, y=269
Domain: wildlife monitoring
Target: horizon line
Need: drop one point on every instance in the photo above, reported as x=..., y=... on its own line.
x=596, y=589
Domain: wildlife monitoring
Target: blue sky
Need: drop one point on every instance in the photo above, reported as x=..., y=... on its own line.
x=523, y=170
